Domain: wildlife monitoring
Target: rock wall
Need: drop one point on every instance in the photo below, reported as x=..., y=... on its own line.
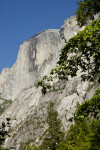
x=36, y=58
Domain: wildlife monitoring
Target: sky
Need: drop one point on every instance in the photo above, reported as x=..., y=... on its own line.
x=22, y=19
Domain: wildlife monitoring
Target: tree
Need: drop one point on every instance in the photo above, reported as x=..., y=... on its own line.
x=86, y=10
x=90, y=107
x=82, y=52
x=54, y=134
x=85, y=133
x=3, y=132
x=79, y=136
x=95, y=142
x=62, y=146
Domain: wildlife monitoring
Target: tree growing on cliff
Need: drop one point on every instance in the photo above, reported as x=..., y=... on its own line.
x=54, y=134
x=81, y=53
x=84, y=134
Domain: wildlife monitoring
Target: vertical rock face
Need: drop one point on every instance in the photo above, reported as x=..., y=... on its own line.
x=31, y=63
x=36, y=58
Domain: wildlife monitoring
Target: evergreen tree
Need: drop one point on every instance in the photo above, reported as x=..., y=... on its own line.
x=54, y=133
x=79, y=136
x=3, y=132
x=95, y=142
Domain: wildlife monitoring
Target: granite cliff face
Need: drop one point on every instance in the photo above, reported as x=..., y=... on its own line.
x=31, y=63
x=36, y=58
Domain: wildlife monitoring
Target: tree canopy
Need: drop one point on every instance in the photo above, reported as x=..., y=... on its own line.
x=86, y=10
x=54, y=134
x=84, y=134
x=80, y=54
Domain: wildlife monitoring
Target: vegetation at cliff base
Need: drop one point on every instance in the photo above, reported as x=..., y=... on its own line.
x=84, y=132
x=54, y=135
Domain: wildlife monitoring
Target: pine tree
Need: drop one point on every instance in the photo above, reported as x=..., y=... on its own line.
x=54, y=133
x=4, y=132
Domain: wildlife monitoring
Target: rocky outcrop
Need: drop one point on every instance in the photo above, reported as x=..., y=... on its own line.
x=36, y=58
x=31, y=63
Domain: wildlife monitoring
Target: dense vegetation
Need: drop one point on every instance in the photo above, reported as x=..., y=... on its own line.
x=53, y=135
x=84, y=134
x=86, y=10
x=4, y=132
x=84, y=50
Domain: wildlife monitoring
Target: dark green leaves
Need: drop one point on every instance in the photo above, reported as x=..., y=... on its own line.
x=86, y=10
x=80, y=54
x=54, y=134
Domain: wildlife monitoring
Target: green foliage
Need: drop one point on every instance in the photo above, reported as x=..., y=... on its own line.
x=35, y=148
x=54, y=134
x=32, y=148
x=45, y=85
x=62, y=146
x=86, y=10
x=91, y=106
x=28, y=147
x=95, y=142
x=85, y=133
x=84, y=136
x=3, y=132
x=1, y=148
x=82, y=52
x=3, y=106
x=79, y=136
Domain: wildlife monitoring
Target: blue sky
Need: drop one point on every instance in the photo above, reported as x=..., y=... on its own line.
x=22, y=19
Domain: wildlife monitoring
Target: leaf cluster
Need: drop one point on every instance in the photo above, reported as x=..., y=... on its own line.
x=45, y=84
x=84, y=135
x=90, y=107
x=82, y=52
x=86, y=10
x=4, y=132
